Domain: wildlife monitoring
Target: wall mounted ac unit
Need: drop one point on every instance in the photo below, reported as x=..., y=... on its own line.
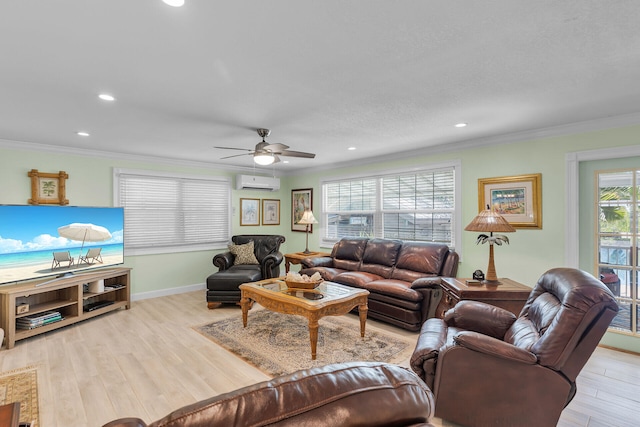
x=252, y=182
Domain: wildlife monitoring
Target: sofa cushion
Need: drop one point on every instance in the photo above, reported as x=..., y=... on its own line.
x=243, y=254
x=394, y=288
x=347, y=253
x=417, y=259
x=380, y=256
x=357, y=279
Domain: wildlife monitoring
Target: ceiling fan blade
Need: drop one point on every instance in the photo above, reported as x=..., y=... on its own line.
x=233, y=148
x=276, y=159
x=236, y=155
x=291, y=153
x=276, y=148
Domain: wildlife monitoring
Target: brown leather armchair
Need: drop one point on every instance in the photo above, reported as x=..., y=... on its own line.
x=223, y=286
x=338, y=395
x=486, y=366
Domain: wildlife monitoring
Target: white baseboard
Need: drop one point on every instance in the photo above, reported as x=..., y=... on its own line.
x=171, y=291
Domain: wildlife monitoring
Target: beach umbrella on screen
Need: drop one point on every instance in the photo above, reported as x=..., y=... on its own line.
x=84, y=232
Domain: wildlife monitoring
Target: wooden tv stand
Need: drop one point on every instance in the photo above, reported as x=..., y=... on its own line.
x=66, y=295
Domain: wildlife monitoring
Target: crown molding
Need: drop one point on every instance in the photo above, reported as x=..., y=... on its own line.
x=45, y=148
x=508, y=138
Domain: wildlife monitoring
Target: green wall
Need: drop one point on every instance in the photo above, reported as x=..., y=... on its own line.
x=530, y=253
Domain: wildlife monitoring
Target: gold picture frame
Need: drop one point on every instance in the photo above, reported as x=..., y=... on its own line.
x=48, y=188
x=270, y=211
x=249, y=211
x=301, y=200
x=517, y=198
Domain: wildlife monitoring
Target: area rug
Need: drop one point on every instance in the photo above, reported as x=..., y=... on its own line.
x=279, y=344
x=21, y=385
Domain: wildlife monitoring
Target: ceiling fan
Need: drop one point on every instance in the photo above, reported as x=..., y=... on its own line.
x=265, y=154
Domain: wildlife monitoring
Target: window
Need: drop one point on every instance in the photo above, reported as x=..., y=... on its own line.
x=172, y=213
x=617, y=240
x=417, y=206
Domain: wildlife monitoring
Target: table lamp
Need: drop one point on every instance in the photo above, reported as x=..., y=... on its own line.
x=307, y=219
x=490, y=221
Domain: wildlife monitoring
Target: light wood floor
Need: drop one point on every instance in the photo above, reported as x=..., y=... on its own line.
x=147, y=361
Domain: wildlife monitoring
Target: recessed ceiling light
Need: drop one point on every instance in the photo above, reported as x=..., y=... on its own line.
x=285, y=161
x=461, y=125
x=82, y=133
x=106, y=97
x=174, y=3
x=351, y=148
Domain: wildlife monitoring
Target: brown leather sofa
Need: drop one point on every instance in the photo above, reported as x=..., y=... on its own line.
x=223, y=286
x=401, y=277
x=487, y=367
x=347, y=394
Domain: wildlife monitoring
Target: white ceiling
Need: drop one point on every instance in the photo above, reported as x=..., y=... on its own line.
x=382, y=76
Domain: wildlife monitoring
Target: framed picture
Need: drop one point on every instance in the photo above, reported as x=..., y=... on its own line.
x=48, y=188
x=517, y=198
x=300, y=201
x=270, y=211
x=249, y=211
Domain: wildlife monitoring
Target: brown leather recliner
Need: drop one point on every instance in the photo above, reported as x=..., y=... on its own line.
x=223, y=286
x=487, y=367
x=343, y=394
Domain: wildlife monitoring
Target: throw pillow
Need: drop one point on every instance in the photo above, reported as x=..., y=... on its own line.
x=243, y=254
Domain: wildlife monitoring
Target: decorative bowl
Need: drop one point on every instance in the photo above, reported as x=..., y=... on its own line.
x=303, y=285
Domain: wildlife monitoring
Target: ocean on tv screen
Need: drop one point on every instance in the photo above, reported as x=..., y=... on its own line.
x=41, y=241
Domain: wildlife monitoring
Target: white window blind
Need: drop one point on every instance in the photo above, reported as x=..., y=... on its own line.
x=172, y=213
x=415, y=206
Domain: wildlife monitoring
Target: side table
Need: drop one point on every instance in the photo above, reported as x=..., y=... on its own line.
x=295, y=258
x=509, y=295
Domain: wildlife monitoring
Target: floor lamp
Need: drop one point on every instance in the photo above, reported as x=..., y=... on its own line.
x=307, y=219
x=490, y=221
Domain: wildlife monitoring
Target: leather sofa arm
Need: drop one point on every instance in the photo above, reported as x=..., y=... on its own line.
x=126, y=422
x=270, y=265
x=480, y=317
x=426, y=282
x=494, y=347
x=433, y=336
x=321, y=261
x=223, y=260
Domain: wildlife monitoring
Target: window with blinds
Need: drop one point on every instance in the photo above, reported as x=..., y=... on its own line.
x=167, y=213
x=416, y=206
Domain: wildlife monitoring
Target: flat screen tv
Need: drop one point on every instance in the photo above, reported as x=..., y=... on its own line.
x=40, y=241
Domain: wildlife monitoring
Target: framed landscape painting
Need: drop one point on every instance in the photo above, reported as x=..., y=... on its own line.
x=300, y=201
x=517, y=198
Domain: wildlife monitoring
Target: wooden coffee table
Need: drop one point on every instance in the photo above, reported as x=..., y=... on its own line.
x=328, y=299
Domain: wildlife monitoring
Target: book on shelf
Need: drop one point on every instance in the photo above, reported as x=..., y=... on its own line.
x=36, y=320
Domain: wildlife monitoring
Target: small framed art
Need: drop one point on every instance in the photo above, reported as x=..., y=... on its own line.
x=270, y=211
x=249, y=211
x=48, y=188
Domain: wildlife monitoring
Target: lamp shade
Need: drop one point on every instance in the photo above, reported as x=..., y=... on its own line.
x=490, y=221
x=308, y=218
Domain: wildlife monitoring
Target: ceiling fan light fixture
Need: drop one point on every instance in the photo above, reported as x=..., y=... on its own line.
x=263, y=159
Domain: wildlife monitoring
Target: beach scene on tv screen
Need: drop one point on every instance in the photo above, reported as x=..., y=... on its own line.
x=40, y=241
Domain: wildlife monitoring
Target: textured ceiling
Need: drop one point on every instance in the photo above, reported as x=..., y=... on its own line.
x=382, y=76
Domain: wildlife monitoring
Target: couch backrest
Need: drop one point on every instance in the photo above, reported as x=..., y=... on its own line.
x=347, y=253
x=263, y=244
x=563, y=319
x=419, y=259
x=346, y=394
x=380, y=256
